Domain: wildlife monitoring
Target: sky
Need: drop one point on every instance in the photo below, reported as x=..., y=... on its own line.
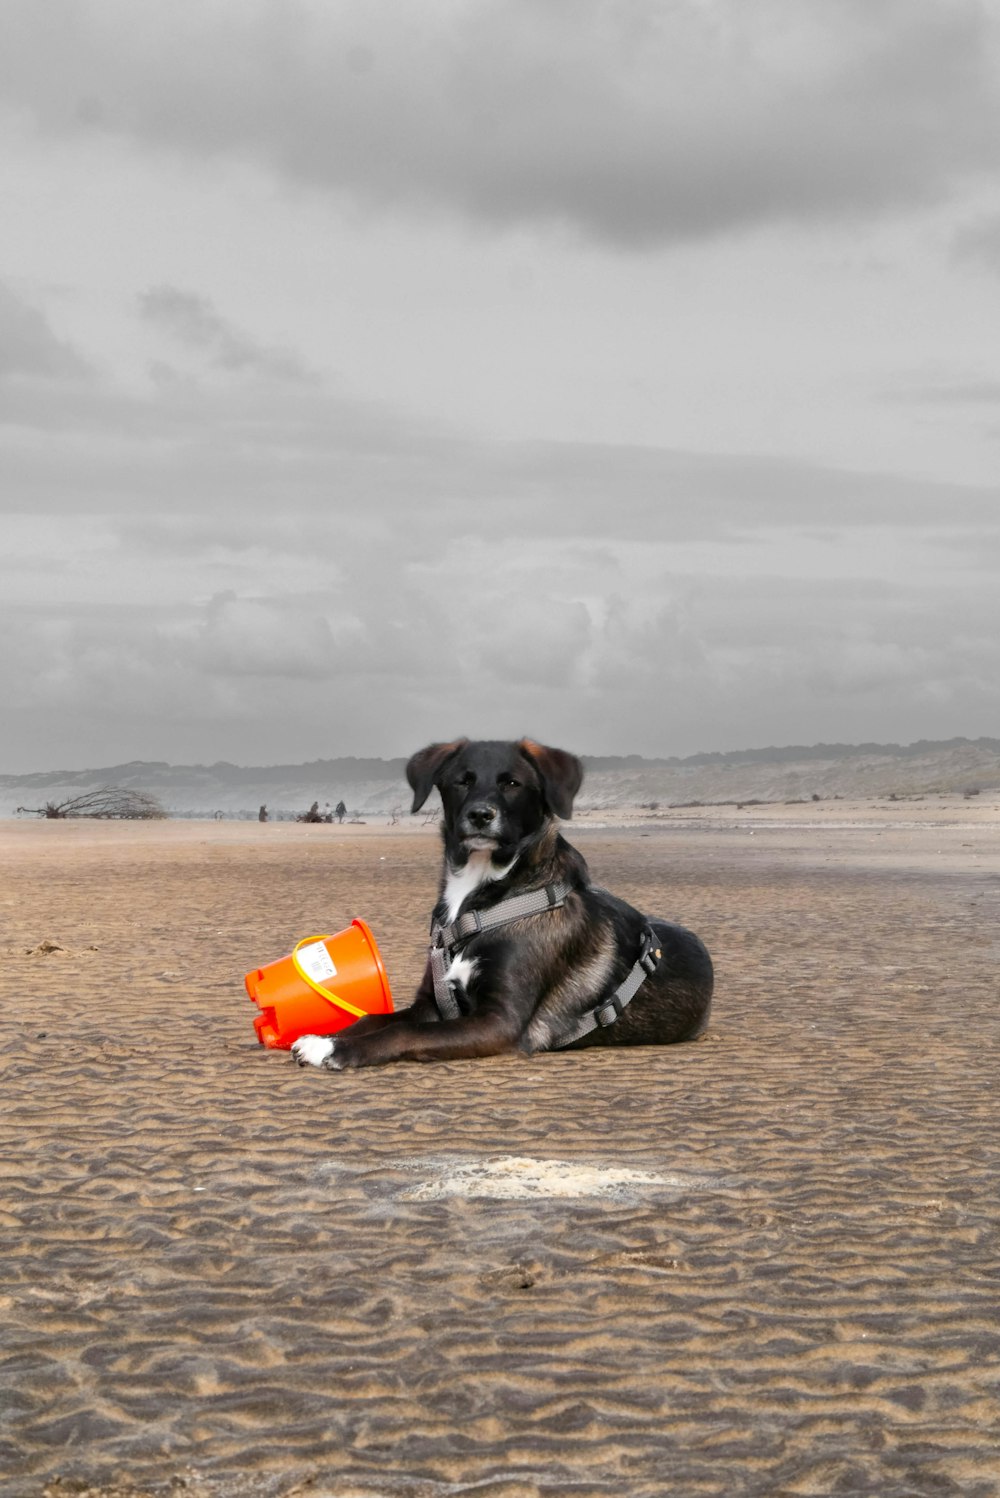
x=622, y=373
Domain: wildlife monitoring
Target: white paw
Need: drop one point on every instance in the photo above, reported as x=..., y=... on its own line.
x=312, y=1050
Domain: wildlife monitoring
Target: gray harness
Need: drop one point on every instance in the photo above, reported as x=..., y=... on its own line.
x=448, y=941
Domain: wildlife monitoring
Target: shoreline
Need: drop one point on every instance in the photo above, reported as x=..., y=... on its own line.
x=946, y=834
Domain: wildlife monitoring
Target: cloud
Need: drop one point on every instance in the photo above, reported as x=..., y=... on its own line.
x=525, y=639
x=191, y=464
x=634, y=123
x=958, y=392
x=29, y=347
x=977, y=549
x=597, y=646
x=647, y=646
x=241, y=637
x=194, y=322
x=979, y=244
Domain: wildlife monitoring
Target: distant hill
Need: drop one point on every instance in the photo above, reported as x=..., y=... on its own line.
x=202, y=790
x=378, y=786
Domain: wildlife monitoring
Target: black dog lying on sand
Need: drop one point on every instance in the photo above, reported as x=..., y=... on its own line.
x=526, y=953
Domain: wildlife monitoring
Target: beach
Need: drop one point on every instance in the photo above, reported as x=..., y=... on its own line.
x=765, y=1263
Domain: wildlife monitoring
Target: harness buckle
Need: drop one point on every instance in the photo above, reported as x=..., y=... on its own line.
x=650, y=955
x=609, y=1011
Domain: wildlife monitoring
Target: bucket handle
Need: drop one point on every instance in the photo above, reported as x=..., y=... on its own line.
x=331, y=998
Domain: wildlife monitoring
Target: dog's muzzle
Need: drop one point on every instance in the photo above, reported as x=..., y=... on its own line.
x=479, y=826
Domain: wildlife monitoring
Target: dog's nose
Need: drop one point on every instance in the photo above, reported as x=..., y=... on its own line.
x=480, y=816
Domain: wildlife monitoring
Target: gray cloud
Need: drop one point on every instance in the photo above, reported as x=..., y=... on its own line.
x=635, y=123
x=956, y=392
x=976, y=549
x=308, y=457
x=979, y=244
x=333, y=648
x=29, y=347
x=195, y=323
x=187, y=537
x=239, y=637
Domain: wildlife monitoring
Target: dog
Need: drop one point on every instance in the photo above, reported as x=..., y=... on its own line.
x=527, y=954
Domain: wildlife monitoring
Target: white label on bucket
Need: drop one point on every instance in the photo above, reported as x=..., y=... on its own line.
x=317, y=962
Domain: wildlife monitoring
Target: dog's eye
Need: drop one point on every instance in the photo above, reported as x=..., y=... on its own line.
x=508, y=783
x=465, y=780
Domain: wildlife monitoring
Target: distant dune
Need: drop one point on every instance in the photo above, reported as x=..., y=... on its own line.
x=378, y=786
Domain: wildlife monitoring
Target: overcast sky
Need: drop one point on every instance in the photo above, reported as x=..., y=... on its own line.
x=620, y=372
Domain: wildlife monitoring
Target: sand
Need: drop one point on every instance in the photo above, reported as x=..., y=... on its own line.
x=767, y=1263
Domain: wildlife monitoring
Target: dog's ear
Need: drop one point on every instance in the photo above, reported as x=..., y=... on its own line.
x=561, y=775
x=425, y=767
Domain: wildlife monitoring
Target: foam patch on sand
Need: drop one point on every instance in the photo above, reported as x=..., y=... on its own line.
x=520, y=1177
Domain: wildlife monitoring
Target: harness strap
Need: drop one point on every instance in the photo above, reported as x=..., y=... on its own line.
x=611, y=1008
x=446, y=940
x=512, y=909
x=444, y=989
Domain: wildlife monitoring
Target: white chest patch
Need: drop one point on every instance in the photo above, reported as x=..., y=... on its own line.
x=460, y=883
x=462, y=971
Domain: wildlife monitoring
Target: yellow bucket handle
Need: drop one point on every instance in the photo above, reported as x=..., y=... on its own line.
x=331, y=998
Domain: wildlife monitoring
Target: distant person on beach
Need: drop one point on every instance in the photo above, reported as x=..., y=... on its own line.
x=341, y=811
x=262, y=814
x=312, y=815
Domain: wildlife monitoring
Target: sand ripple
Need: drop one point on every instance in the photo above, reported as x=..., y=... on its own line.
x=224, y=1271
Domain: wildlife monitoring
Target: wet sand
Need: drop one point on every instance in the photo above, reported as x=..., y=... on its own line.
x=764, y=1264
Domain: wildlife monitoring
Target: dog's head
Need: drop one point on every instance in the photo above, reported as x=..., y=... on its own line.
x=494, y=794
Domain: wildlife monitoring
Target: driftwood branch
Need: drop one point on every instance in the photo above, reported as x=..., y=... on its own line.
x=107, y=803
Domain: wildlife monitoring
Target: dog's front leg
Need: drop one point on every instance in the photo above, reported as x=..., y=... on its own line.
x=316, y=1050
x=487, y=1034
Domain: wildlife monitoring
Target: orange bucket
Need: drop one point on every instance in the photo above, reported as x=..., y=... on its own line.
x=327, y=983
